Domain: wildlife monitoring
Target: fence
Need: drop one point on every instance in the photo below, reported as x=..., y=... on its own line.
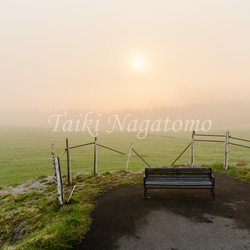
x=226, y=142
x=57, y=167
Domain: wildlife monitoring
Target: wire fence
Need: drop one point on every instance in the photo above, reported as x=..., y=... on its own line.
x=56, y=160
x=226, y=141
x=57, y=167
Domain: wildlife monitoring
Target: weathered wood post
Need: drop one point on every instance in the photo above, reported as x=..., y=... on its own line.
x=226, y=150
x=53, y=159
x=68, y=162
x=58, y=177
x=95, y=156
x=131, y=145
x=192, y=150
x=59, y=182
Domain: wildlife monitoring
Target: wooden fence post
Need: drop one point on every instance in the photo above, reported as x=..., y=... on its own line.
x=58, y=175
x=192, y=150
x=59, y=183
x=131, y=145
x=226, y=150
x=68, y=162
x=95, y=156
x=53, y=157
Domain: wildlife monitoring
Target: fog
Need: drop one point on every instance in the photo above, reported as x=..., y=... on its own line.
x=182, y=59
x=220, y=115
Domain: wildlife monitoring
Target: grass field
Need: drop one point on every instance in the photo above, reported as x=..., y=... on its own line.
x=26, y=152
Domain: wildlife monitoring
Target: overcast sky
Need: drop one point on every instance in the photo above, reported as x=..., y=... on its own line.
x=107, y=55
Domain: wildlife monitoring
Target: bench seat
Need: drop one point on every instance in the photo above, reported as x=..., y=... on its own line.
x=178, y=178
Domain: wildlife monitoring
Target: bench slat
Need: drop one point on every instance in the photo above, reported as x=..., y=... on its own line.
x=175, y=176
x=178, y=171
x=163, y=182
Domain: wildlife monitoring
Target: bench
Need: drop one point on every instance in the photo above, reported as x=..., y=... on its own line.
x=178, y=178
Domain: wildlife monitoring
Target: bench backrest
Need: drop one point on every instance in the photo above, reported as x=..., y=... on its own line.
x=178, y=172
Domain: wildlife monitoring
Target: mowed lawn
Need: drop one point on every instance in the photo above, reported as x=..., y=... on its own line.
x=26, y=152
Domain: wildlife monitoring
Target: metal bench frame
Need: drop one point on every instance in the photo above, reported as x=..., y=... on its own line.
x=178, y=178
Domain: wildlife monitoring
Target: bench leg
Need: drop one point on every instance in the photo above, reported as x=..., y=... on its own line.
x=145, y=193
x=212, y=193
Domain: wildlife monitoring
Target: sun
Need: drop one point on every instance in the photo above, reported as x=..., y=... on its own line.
x=138, y=63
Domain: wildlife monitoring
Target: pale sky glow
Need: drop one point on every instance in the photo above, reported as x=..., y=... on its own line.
x=117, y=55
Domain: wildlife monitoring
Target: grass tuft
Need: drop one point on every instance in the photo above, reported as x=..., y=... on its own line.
x=240, y=172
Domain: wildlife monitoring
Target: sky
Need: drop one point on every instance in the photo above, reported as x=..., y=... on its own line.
x=109, y=55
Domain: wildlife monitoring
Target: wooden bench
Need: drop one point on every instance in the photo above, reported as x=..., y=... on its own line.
x=178, y=178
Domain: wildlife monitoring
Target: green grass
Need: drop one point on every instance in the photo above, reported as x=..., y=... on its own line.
x=240, y=172
x=35, y=220
x=26, y=152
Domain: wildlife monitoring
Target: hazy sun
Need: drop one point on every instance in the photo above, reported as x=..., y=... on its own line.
x=138, y=63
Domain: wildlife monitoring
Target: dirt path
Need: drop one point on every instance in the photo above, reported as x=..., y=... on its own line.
x=172, y=219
